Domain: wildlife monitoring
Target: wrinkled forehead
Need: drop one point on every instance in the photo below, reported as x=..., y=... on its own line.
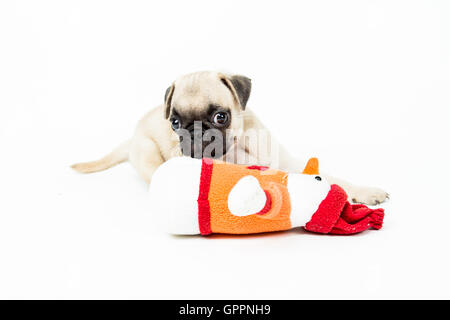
x=200, y=90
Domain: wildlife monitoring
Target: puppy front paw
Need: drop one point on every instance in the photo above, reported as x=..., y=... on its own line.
x=368, y=195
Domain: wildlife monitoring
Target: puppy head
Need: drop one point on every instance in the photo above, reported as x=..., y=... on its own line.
x=204, y=110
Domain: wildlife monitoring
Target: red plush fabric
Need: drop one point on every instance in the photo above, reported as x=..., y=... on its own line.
x=204, y=211
x=268, y=204
x=337, y=216
x=260, y=168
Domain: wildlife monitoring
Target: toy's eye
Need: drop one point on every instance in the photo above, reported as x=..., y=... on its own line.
x=176, y=124
x=318, y=178
x=220, y=118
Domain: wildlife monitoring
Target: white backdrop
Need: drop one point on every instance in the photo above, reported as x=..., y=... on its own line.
x=363, y=85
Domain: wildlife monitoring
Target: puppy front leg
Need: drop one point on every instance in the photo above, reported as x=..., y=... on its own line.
x=360, y=194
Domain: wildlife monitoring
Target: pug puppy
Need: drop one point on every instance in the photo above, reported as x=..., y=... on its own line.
x=205, y=114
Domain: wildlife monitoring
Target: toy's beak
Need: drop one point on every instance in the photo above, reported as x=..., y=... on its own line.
x=312, y=167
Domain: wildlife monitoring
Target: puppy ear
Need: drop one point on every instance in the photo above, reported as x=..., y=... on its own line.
x=240, y=87
x=168, y=100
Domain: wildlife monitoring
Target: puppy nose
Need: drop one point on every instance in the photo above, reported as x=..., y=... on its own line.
x=197, y=134
x=196, y=131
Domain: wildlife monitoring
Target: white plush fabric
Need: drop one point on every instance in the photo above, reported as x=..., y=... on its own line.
x=174, y=192
x=247, y=197
x=306, y=194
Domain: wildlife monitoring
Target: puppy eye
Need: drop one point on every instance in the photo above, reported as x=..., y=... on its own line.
x=220, y=118
x=318, y=178
x=176, y=124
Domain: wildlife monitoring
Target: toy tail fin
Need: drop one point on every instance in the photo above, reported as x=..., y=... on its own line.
x=118, y=155
x=312, y=167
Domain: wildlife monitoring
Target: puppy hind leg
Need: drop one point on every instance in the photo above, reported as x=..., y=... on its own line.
x=118, y=155
x=146, y=157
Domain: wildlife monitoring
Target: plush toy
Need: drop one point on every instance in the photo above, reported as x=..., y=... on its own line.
x=209, y=196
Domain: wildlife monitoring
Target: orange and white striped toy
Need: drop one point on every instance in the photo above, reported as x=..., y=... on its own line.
x=210, y=196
